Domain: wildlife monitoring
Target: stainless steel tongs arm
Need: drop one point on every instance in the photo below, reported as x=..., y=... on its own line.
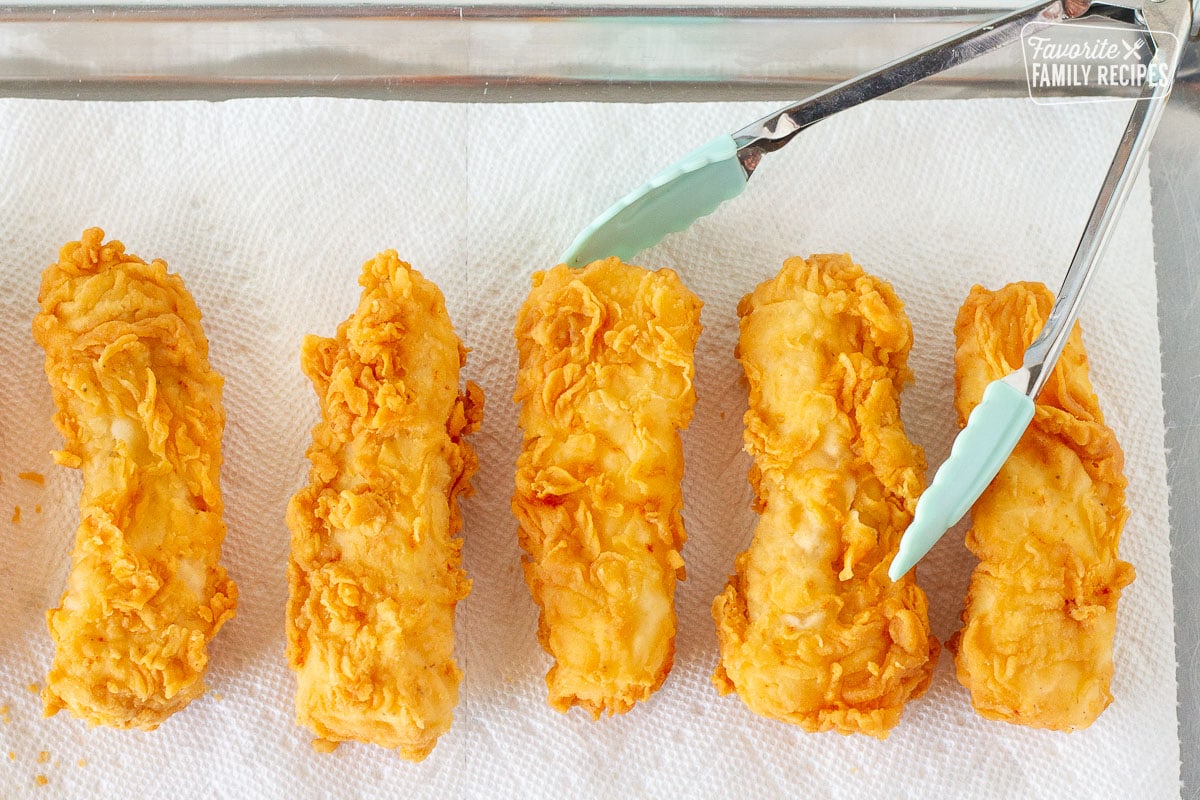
x=1167, y=22
x=774, y=131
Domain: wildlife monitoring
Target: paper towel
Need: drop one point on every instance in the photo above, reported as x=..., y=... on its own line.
x=268, y=208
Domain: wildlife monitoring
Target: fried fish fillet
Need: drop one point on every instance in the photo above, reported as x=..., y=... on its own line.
x=811, y=630
x=376, y=568
x=1036, y=648
x=140, y=412
x=605, y=384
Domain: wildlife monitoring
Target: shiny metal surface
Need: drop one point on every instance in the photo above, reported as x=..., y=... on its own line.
x=1169, y=22
x=460, y=53
x=463, y=53
x=1044, y=351
x=505, y=55
x=1175, y=188
x=775, y=130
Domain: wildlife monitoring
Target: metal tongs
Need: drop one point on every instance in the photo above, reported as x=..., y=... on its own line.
x=719, y=171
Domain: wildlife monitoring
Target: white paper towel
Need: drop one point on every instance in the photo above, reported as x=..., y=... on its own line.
x=269, y=207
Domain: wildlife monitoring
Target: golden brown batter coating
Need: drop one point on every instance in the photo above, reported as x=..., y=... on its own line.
x=140, y=412
x=1041, y=611
x=811, y=629
x=605, y=384
x=376, y=571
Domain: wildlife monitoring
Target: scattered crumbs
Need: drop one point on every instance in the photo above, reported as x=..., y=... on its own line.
x=44, y=757
x=4, y=715
x=34, y=688
x=81, y=763
x=16, y=514
x=324, y=745
x=37, y=509
x=33, y=477
x=41, y=780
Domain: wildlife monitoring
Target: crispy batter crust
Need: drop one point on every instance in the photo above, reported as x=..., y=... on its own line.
x=1036, y=648
x=375, y=571
x=140, y=412
x=605, y=384
x=811, y=629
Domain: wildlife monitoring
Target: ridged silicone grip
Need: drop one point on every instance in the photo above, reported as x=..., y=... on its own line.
x=980, y=449
x=669, y=202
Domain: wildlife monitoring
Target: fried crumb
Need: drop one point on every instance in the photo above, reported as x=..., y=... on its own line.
x=41, y=780
x=217, y=696
x=81, y=763
x=12, y=756
x=44, y=757
x=33, y=477
x=37, y=509
x=16, y=517
x=324, y=745
x=34, y=688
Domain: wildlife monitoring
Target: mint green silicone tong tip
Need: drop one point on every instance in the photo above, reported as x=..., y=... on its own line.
x=979, y=451
x=667, y=203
